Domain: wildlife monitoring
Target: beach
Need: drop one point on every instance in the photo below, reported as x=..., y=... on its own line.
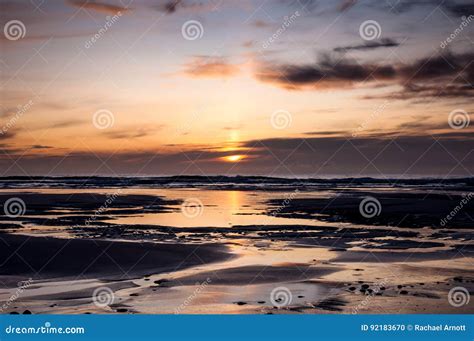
x=236, y=246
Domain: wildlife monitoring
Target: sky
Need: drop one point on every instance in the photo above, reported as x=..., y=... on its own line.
x=294, y=88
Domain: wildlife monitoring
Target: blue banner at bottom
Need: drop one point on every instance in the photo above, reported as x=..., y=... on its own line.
x=237, y=327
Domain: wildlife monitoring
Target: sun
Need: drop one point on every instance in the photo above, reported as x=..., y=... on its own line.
x=234, y=158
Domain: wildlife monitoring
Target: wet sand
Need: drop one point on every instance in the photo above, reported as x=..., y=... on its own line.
x=41, y=258
x=247, y=252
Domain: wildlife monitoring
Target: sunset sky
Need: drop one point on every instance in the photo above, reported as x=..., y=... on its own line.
x=277, y=88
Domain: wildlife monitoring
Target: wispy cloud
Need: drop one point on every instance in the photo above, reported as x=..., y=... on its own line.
x=205, y=66
x=99, y=6
x=369, y=45
x=132, y=133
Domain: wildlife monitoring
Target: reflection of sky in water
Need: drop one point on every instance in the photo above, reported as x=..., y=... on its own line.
x=221, y=208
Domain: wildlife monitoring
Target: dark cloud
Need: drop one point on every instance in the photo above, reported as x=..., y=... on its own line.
x=346, y=4
x=404, y=153
x=170, y=6
x=370, y=45
x=39, y=146
x=327, y=72
x=444, y=75
x=460, y=9
x=6, y=134
x=452, y=7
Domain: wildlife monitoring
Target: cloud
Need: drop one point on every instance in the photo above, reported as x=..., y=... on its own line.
x=327, y=72
x=455, y=8
x=98, y=6
x=67, y=124
x=133, y=133
x=370, y=45
x=173, y=6
x=346, y=4
x=444, y=75
x=6, y=135
x=205, y=66
x=170, y=6
x=261, y=23
x=405, y=153
x=39, y=146
x=460, y=9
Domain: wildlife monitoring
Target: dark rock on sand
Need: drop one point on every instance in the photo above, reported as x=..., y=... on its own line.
x=240, y=303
